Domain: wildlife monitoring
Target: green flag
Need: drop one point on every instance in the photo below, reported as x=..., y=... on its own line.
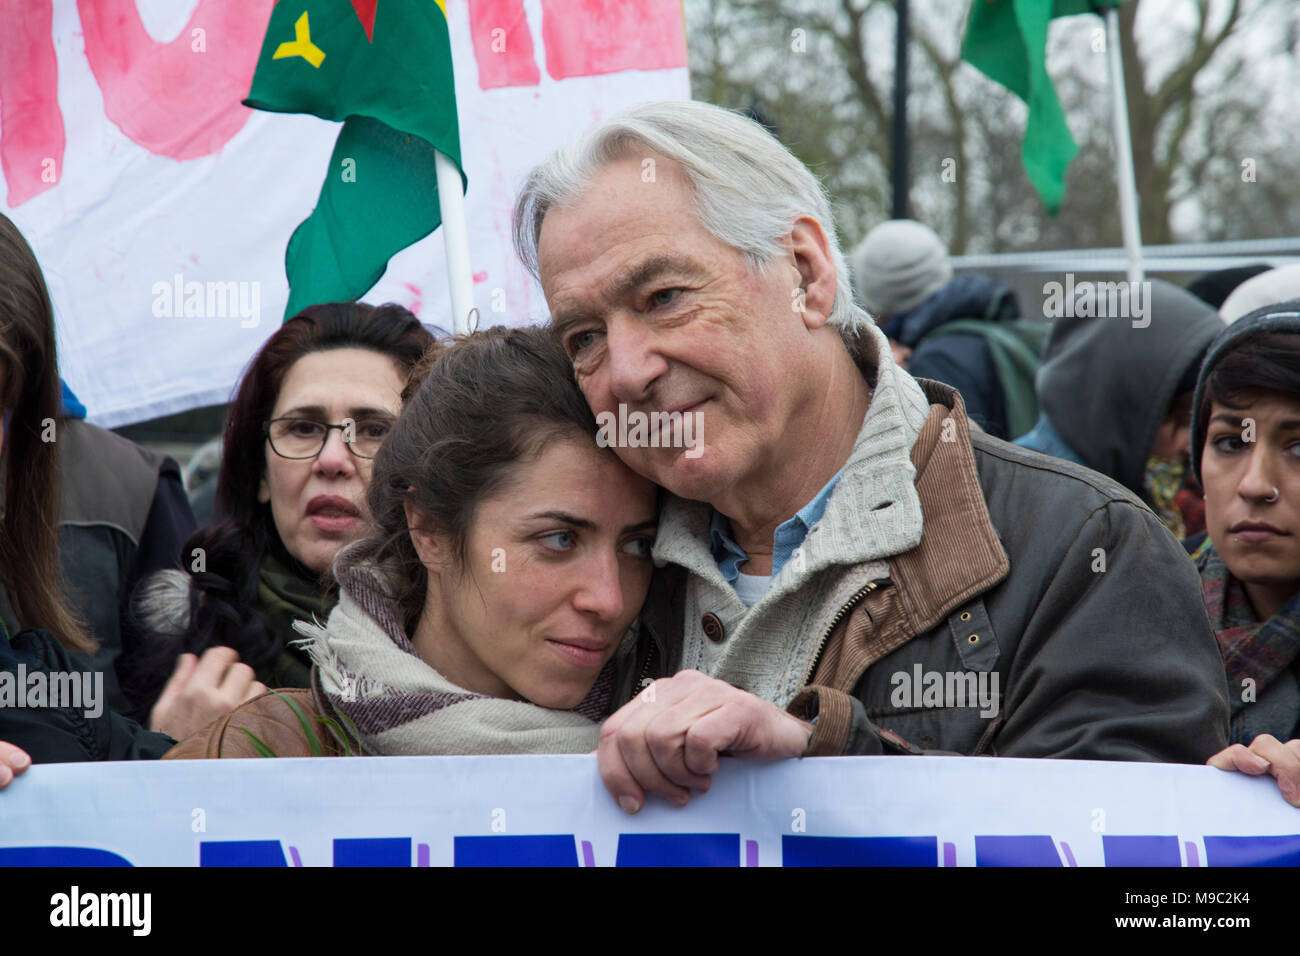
x=383, y=67
x=1006, y=40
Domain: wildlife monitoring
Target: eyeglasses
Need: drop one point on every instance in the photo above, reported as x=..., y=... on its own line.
x=302, y=438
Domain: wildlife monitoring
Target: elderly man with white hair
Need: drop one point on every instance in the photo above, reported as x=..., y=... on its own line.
x=844, y=567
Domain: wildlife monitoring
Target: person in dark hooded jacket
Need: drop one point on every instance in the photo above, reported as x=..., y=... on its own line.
x=902, y=276
x=1116, y=396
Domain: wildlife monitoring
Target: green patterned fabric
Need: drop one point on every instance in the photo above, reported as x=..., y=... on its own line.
x=285, y=595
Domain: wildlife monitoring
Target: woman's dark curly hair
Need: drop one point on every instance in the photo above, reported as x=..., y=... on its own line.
x=223, y=587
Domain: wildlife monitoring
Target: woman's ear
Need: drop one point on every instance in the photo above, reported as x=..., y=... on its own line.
x=429, y=545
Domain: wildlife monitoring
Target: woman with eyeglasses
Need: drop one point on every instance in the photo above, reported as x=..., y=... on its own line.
x=298, y=445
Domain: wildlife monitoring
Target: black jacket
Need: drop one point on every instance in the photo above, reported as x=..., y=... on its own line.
x=123, y=515
x=65, y=734
x=960, y=359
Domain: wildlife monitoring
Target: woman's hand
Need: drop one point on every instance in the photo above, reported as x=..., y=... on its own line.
x=13, y=761
x=1266, y=754
x=202, y=689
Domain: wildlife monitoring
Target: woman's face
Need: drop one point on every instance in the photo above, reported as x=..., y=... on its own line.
x=1258, y=539
x=319, y=504
x=557, y=568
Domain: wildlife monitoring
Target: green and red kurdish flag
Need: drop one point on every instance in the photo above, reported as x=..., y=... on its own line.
x=1006, y=40
x=383, y=67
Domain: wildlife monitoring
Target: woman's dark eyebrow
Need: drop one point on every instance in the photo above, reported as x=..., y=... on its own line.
x=565, y=517
x=1227, y=419
x=577, y=522
x=304, y=411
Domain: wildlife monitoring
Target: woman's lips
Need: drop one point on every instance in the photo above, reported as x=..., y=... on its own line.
x=585, y=654
x=332, y=514
x=1256, y=532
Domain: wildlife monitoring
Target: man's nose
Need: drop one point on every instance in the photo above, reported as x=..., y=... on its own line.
x=633, y=359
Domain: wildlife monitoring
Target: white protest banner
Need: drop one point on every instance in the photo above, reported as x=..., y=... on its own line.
x=545, y=810
x=159, y=207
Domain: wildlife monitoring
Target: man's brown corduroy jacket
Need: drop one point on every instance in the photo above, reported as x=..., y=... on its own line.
x=1042, y=584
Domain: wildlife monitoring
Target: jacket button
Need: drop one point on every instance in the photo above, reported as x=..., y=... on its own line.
x=713, y=628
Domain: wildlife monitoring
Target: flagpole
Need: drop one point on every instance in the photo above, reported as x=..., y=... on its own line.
x=455, y=237
x=1128, y=211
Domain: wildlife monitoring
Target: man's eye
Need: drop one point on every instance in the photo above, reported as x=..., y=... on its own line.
x=663, y=297
x=558, y=540
x=581, y=341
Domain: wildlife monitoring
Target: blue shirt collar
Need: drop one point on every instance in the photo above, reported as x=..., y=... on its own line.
x=789, y=534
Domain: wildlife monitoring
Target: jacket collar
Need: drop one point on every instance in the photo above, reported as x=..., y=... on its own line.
x=960, y=554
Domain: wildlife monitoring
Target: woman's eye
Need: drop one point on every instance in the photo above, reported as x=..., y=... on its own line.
x=376, y=429
x=664, y=296
x=558, y=540
x=304, y=429
x=641, y=547
x=1226, y=443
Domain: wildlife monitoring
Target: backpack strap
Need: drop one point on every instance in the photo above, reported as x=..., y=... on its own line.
x=1014, y=360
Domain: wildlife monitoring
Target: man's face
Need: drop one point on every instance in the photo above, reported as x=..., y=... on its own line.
x=660, y=316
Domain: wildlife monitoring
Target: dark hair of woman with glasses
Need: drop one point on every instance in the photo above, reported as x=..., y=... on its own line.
x=297, y=447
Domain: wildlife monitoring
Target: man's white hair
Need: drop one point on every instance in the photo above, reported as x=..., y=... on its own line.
x=748, y=188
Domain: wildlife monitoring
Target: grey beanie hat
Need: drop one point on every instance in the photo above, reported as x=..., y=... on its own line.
x=1282, y=317
x=897, y=266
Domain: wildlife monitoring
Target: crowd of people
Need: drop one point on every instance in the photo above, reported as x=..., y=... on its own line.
x=431, y=545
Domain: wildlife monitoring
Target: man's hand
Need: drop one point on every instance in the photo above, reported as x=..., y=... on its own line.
x=668, y=739
x=202, y=689
x=13, y=761
x=1266, y=754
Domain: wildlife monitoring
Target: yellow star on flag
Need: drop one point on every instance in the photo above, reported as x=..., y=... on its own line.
x=301, y=45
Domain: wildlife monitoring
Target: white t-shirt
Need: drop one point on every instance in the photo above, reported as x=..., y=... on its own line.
x=751, y=587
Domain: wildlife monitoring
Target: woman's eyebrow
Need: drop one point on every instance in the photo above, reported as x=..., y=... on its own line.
x=650, y=524
x=319, y=411
x=563, y=516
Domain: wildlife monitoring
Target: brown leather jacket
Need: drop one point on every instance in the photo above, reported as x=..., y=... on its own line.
x=1047, y=576
x=270, y=718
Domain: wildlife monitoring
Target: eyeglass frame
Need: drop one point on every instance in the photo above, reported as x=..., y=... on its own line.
x=266, y=430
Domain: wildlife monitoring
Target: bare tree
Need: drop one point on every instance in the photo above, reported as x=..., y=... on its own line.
x=1203, y=92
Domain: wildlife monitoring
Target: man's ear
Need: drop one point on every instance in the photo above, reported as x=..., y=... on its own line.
x=429, y=545
x=815, y=297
